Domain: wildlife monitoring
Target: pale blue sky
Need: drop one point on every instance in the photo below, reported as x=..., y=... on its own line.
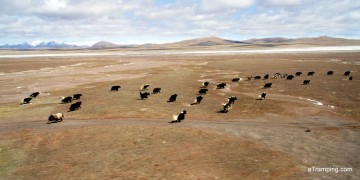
x=159, y=21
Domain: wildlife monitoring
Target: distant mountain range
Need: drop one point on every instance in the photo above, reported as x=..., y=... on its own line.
x=200, y=43
x=41, y=45
x=215, y=41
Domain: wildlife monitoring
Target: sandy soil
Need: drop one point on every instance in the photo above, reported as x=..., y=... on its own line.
x=117, y=136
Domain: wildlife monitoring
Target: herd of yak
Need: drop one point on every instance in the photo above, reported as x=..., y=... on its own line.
x=58, y=117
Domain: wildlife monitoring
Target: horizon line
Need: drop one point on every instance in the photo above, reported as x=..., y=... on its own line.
x=93, y=42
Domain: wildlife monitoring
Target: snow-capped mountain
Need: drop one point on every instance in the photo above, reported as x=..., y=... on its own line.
x=24, y=45
x=38, y=45
x=53, y=44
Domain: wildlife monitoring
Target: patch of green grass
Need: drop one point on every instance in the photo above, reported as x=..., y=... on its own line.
x=10, y=159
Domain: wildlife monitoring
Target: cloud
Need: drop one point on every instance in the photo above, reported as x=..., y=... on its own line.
x=223, y=5
x=55, y=5
x=169, y=20
x=283, y=2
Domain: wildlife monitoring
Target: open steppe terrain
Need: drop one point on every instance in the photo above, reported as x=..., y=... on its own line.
x=115, y=135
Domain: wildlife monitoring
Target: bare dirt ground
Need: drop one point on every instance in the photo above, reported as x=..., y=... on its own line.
x=115, y=135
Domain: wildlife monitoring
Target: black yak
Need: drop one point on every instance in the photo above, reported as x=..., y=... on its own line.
x=298, y=73
x=206, y=84
x=306, y=82
x=268, y=85
x=178, y=118
x=226, y=107
x=266, y=76
x=156, y=90
x=257, y=77
x=144, y=95
x=203, y=91
x=311, y=73
x=54, y=118
x=75, y=106
x=115, y=88
x=34, y=95
x=350, y=78
x=221, y=86
x=144, y=87
x=346, y=73
x=77, y=96
x=67, y=99
x=172, y=98
x=329, y=73
x=26, y=100
x=198, y=99
x=235, y=80
x=290, y=77
x=232, y=99
x=262, y=95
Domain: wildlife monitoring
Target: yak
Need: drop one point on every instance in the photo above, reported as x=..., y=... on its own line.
x=226, y=107
x=172, y=98
x=311, y=73
x=77, y=96
x=156, y=90
x=235, y=80
x=180, y=117
x=198, y=99
x=221, y=86
x=203, y=91
x=266, y=76
x=290, y=77
x=257, y=77
x=350, y=78
x=26, y=100
x=298, y=73
x=144, y=95
x=232, y=99
x=115, y=88
x=268, y=85
x=346, y=73
x=206, y=84
x=262, y=95
x=75, y=106
x=66, y=99
x=306, y=82
x=144, y=87
x=276, y=75
x=279, y=75
x=54, y=118
x=34, y=95
x=329, y=73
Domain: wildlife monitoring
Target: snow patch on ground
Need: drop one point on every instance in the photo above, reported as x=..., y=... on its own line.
x=44, y=69
x=202, y=64
x=78, y=64
x=313, y=101
x=203, y=80
x=109, y=66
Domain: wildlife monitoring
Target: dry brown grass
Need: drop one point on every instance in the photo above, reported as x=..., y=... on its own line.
x=116, y=135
